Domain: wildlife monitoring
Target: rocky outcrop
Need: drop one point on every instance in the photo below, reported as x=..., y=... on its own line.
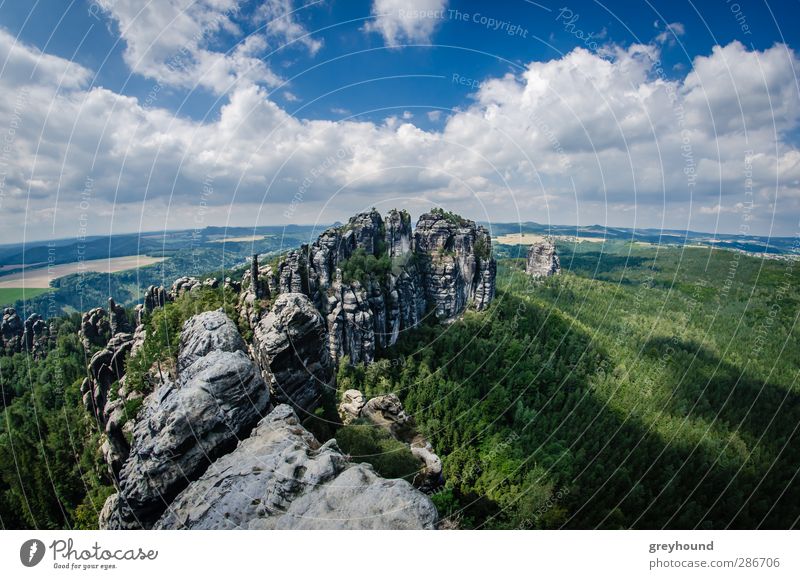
x=350, y=320
x=106, y=367
x=542, y=260
x=454, y=257
x=445, y=265
x=95, y=328
x=187, y=423
x=282, y=478
x=32, y=335
x=11, y=328
x=182, y=285
x=289, y=344
x=117, y=318
x=350, y=407
x=253, y=293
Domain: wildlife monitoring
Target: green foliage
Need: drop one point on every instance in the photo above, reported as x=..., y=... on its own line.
x=373, y=445
x=449, y=216
x=640, y=390
x=48, y=443
x=361, y=266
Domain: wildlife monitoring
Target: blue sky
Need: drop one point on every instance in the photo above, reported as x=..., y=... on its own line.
x=651, y=114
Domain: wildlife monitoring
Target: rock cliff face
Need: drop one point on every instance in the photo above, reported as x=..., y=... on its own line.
x=32, y=335
x=185, y=424
x=455, y=262
x=543, y=260
x=289, y=344
x=282, y=478
x=444, y=266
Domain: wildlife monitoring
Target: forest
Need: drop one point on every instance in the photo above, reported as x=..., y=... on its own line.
x=643, y=387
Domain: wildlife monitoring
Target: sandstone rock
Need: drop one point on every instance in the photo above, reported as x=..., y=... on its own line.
x=351, y=331
x=542, y=260
x=117, y=318
x=95, y=328
x=455, y=261
x=182, y=285
x=446, y=264
x=350, y=407
x=387, y=412
x=11, y=329
x=205, y=333
x=281, y=478
x=289, y=346
x=184, y=425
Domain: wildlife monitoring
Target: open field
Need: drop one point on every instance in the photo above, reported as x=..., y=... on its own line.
x=520, y=238
x=9, y=295
x=239, y=239
x=531, y=238
x=41, y=278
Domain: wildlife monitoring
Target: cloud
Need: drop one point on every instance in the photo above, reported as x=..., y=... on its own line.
x=670, y=33
x=280, y=19
x=168, y=41
x=411, y=21
x=581, y=138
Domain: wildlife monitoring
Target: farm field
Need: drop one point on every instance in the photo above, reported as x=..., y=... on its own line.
x=41, y=278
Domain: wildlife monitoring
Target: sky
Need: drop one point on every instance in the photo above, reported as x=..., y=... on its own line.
x=133, y=115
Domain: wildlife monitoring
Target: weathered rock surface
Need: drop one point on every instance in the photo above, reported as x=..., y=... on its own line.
x=454, y=257
x=11, y=328
x=281, y=478
x=31, y=336
x=95, y=328
x=350, y=407
x=542, y=260
x=182, y=285
x=289, y=344
x=445, y=265
x=186, y=424
x=205, y=333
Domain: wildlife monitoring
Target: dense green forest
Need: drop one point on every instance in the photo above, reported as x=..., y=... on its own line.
x=643, y=387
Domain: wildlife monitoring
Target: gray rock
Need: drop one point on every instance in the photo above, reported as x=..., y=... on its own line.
x=182, y=285
x=117, y=318
x=206, y=333
x=289, y=344
x=95, y=328
x=281, y=478
x=455, y=261
x=185, y=425
x=542, y=260
x=350, y=407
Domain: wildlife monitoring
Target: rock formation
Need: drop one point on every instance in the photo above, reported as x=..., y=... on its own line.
x=289, y=346
x=95, y=328
x=117, y=318
x=282, y=478
x=445, y=266
x=542, y=260
x=454, y=257
x=185, y=424
x=350, y=407
x=31, y=336
x=183, y=285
